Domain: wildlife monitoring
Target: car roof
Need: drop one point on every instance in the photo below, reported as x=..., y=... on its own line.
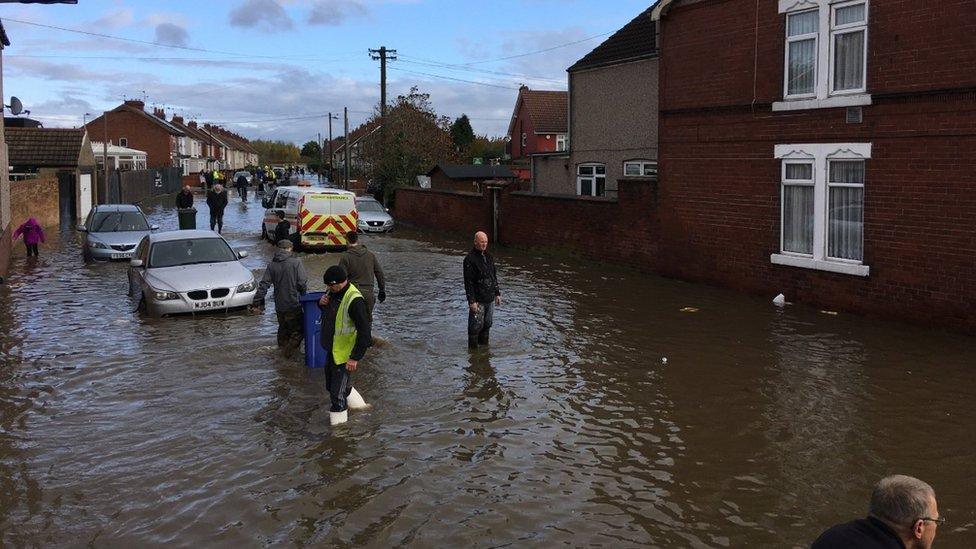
x=117, y=208
x=314, y=190
x=169, y=236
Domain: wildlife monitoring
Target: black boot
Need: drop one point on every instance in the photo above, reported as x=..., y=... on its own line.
x=483, y=337
x=472, y=342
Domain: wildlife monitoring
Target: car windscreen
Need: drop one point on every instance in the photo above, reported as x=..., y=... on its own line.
x=113, y=222
x=190, y=252
x=369, y=206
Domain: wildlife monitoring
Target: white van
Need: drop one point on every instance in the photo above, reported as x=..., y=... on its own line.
x=321, y=217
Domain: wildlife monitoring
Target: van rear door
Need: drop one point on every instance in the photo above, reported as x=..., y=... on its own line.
x=325, y=218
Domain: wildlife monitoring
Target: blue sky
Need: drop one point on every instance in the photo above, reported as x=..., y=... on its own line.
x=273, y=68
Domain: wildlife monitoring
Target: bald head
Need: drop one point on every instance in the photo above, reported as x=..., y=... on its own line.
x=480, y=241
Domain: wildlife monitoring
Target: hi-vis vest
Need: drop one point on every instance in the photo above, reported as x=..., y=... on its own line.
x=345, y=330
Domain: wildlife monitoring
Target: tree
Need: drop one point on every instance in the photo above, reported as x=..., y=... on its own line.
x=416, y=140
x=276, y=152
x=311, y=150
x=461, y=133
x=487, y=147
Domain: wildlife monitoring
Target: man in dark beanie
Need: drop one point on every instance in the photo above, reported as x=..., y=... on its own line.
x=287, y=274
x=345, y=338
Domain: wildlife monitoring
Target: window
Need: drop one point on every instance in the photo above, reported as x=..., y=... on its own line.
x=640, y=168
x=523, y=140
x=562, y=143
x=825, y=61
x=123, y=142
x=822, y=206
x=591, y=179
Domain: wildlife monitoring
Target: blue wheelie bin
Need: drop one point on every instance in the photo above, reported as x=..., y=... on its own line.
x=314, y=352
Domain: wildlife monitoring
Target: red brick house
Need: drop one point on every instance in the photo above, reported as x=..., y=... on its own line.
x=539, y=123
x=129, y=125
x=823, y=149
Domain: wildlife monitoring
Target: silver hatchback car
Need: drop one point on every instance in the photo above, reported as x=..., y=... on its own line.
x=112, y=231
x=189, y=272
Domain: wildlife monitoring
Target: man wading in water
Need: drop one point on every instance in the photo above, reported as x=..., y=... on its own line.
x=481, y=288
x=345, y=338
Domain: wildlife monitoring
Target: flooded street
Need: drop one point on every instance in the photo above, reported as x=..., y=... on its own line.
x=602, y=414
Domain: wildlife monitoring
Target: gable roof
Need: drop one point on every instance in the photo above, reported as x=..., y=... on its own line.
x=45, y=147
x=130, y=106
x=473, y=171
x=635, y=40
x=548, y=110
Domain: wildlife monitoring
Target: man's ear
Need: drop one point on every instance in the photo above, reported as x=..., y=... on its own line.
x=917, y=529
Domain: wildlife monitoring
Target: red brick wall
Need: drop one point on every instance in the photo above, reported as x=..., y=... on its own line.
x=720, y=192
x=141, y=134
x=444, y=210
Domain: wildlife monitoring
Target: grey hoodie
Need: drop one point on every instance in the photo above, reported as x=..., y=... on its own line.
x=287, y=274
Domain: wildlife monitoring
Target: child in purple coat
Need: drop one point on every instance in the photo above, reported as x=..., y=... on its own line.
x=33, y=235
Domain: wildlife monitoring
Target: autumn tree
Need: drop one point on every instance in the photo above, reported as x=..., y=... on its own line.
x=461, y=133
x=276, y=152
x=416, y=139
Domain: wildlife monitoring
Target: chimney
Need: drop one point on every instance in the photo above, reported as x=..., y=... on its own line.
x=177, y=119
x=193, y=124
x=159, y=113
x=135, y=103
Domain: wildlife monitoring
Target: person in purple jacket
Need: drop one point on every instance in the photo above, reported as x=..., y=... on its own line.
x=33, y=235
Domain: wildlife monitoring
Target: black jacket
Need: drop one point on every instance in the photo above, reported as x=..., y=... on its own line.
x=282, y=230
x=184, y=200
x=866, y=533
x=360, y=317
x=217, y=201
x=480, y=277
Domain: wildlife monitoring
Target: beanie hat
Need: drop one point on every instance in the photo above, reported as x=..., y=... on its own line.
x=334, y=275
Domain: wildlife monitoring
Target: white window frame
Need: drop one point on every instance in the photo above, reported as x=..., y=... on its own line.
x=786, y=182
x=820, y=155
x=786, y=58
x=642, y=166
x=593, y=187
x=562, y=142
x=836, y=30
x=123, y=142
x=825, y=96
x=523, y=140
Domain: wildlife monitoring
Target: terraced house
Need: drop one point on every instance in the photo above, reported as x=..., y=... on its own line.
x=825, y=149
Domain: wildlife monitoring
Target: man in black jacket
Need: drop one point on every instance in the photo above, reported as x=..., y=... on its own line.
x=185, y=198
x=903, y=514
x=345, y=338
x=217, y=201
x=481, y=289
x=283, y=228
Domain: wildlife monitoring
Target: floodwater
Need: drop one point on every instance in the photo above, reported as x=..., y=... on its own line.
x=601, y=414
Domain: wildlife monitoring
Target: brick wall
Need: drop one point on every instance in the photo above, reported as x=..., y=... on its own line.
x=5, y=244
x=720, y=184
x=37, y=198
x=141, y=134
x=444, y=210
x=552, y=174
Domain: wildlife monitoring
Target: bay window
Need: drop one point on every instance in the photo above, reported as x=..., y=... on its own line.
x=822, y=206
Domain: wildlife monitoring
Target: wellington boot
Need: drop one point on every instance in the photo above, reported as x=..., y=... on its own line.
x=483, y=337
x=355, y=401
x=338, y=418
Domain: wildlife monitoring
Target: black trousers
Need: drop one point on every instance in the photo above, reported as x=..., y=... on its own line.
x=290, y=331
x=217, y=220
x=31, y=249
x=479, y=323
x=338, y=381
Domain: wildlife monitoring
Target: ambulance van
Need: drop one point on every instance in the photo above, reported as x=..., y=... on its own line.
x=319, y=218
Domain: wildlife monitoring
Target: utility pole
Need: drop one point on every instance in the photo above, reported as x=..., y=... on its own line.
x=105, y=151
x=320, y=156
x=331, y=155
x=345, y=119
x=383, y=55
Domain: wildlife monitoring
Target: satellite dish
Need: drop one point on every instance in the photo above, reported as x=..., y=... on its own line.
x=16, y=107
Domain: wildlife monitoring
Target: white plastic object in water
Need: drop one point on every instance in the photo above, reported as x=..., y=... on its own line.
x=337, y=418
x=779, y=300
x=355, y=400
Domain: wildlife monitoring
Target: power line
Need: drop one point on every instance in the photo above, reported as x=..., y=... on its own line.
x=442, y=77
x=544, y=50
x=437, y=64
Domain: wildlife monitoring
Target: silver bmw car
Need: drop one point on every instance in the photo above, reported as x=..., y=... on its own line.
x=112, y=231
x=189, y=272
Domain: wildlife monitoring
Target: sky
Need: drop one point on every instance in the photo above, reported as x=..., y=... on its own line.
x=273, y=69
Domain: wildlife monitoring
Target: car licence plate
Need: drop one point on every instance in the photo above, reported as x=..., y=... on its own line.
x=208, y=304
x=122, y=256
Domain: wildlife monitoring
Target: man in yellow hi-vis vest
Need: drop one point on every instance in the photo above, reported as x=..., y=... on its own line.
x=345, y=338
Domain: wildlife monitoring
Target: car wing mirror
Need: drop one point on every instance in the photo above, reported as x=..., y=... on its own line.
x=82, y=228
x=135, y=263
x=153, y=227
x=242, y=254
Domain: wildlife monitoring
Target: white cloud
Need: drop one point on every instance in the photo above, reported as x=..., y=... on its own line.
x=263, y=14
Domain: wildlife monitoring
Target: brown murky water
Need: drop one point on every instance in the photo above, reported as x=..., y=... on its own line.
x=763, y=427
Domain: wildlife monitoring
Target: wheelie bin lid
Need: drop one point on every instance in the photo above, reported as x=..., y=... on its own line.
x=311, y=296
